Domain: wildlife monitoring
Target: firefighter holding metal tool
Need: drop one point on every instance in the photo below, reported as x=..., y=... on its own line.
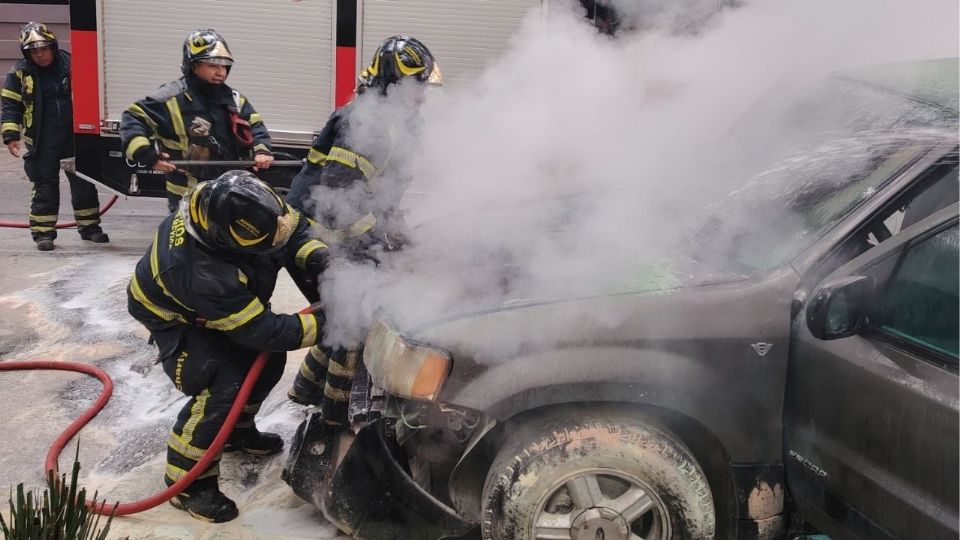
x=203, y=291
x=38, y=113
x=195, y=118
x=352, y=183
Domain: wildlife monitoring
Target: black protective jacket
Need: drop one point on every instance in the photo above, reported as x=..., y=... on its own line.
x=23, y=99
x=364, y=167
x=181, y=282
x=170, y=116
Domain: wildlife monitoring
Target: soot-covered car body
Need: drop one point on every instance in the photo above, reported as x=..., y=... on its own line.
x=670, y=408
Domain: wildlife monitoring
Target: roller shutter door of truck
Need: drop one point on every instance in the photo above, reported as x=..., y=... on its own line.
x=463, y=35
x=283, y=53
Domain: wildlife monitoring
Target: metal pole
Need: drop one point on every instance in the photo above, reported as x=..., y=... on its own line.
x=224, y=163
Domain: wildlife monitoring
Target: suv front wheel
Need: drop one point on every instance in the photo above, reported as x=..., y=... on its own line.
x=595, y=475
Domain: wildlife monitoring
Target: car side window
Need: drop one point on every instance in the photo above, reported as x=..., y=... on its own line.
x=938, y=189
x=919, y=307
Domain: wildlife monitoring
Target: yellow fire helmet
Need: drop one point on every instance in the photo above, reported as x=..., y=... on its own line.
x=205, y=45
x=398, y=57
x=238, y=213
x=34, y=35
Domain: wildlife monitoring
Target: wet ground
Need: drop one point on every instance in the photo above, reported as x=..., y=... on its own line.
x=70, y=304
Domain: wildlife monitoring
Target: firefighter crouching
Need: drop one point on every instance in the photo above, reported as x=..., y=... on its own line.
x=197, y=118
x=203, y=291
x=36, y=100
x=359, y=175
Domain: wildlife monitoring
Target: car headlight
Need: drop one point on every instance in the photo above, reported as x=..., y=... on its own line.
x=403, y=367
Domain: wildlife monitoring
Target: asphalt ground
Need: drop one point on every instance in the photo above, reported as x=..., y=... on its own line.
x=70, y=304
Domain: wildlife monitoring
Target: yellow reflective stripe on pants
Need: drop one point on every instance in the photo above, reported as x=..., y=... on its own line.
x=196, y=414
x=10, y=126
x=348, y=369
x=319, y=354
x=45, y=218
x=84, y=212
x=236, y=320
x=175, y=473
x=37, y=228
x=87, y=222
x=185, y=449
x=336, y=394
x=255, y=119
x=309, y=374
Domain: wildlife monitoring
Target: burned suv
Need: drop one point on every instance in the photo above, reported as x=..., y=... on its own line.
x=803, y=377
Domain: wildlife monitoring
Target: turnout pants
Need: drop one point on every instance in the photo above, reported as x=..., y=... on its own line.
x=210, y=368
x=334, y=371
x=43, y=169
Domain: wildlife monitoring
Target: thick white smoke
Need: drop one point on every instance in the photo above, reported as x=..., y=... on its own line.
x=646, y=122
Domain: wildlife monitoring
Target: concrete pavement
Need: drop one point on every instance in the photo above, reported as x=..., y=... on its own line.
x=70, y=304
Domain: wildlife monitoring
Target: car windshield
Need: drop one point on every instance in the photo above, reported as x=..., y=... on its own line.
x=846, y=140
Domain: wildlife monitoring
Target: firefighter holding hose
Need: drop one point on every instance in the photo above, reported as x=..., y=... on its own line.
x=351, y=184
x=203, y=291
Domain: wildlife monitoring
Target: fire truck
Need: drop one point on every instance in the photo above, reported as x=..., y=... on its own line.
x=296, y=61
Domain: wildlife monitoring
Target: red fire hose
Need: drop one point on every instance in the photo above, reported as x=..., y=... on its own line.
x=181, y=484
x=67, y=225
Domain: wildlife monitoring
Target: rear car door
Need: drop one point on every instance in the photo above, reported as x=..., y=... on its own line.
x=871, y=420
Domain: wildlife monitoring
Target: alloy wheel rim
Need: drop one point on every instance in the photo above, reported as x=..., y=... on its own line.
x=600, y=504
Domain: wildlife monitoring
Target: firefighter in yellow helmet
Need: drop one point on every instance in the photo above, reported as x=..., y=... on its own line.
x=197, y=117
x=203, y=291
x=353, y=162
x=38, y=113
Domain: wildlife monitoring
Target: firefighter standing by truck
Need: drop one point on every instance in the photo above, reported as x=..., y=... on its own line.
x=352, y=183
x=38, y=111
x=196, y=118
x=203, y=291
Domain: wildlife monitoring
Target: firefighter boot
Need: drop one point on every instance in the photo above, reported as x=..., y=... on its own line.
x=254, y=442
x=209, y=505
x=305, y=392
x=98, y=237
x=307, y=387
x=45, y=244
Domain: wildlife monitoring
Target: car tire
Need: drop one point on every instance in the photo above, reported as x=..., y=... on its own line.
x=571, y=474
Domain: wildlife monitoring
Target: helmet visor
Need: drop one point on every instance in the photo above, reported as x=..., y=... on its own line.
x=435, y=78
x=216, y=61
x=285, y=225
x=36, y=45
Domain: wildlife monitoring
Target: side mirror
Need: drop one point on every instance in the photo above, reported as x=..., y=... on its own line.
x=839, y=307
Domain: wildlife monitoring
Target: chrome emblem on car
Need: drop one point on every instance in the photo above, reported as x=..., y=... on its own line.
x=762, y=348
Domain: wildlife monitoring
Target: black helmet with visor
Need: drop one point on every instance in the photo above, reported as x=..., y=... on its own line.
x=237, y=213
x=396, y=58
